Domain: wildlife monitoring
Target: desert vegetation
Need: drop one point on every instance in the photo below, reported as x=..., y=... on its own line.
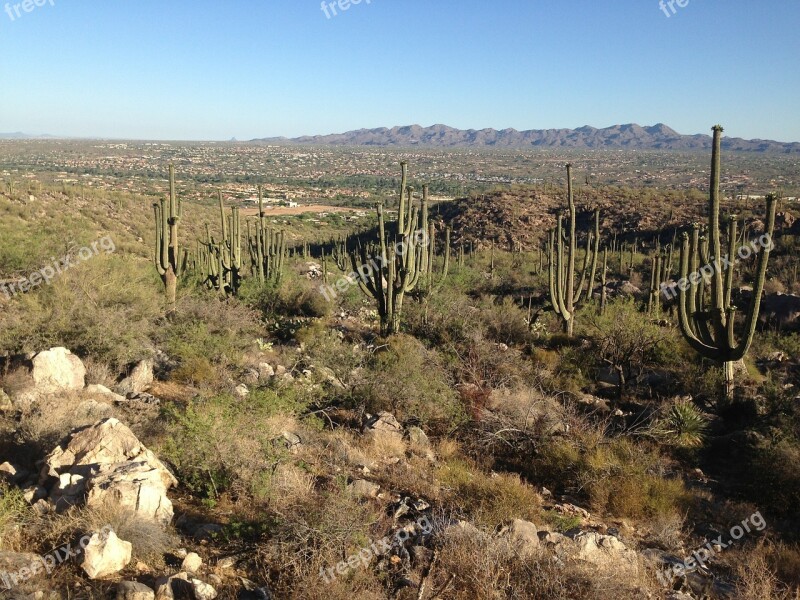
x=496, y=395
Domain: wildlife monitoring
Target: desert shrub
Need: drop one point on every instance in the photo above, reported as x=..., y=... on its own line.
x=328, y=348
x=14, y=512
x=485, y=499
x=506, y=322
x=408, y=380
x=771, y=474
x=626, y=340
x=617, y=476
x=150, y=539
x=482, y=567
x=317, y=534
x=223, y=445
x=104, y=307
x=293, y=296
x=206, y=337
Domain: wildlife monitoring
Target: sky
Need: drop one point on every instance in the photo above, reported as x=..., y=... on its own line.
x=203, y=70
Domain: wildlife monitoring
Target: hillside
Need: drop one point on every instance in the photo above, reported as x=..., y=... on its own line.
x=630, y=136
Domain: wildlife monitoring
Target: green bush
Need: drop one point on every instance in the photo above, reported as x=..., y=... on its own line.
x=407, y=380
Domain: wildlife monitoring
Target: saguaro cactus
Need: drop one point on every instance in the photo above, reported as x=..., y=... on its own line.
x=708, y=326
x=267, y=247
x=400, y=262
x=565, y=297
x=167, y=256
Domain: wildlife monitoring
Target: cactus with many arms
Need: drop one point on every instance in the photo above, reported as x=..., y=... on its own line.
x=267, y=247
x=565, y=297
x=397, y=268
x=709, y=327
x=167, y=253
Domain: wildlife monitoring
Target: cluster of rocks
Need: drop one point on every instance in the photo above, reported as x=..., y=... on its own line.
x=57, y=371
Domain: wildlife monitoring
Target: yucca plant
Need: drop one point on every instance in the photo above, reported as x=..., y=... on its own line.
x=683, y=425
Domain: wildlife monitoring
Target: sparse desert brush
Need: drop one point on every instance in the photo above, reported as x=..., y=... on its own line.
x=208, y=337
x=104, y=307
x=327, y=349
x=319, y=532
x=408, y=380
x=483, y=567
x=487, y=499
x=14, y=513
x=505, y=322
x=618, y=476
x=226, y=445
x=292, y=296
x=150, y=539
x=757, y=578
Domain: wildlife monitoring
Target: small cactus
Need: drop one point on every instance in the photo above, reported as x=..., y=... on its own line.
x=167, y=253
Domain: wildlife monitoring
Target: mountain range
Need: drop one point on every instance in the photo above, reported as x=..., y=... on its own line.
x=631, y=136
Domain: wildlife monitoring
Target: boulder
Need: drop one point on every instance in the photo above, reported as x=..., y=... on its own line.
x=522, y=537
x=6, y=405
x=105, y=555
x=139, y=380
x=103, y=393
x=176, y=587
x=19, y=567
x=133, y=590
x=383, y=425
x=103, y=463
x=361, y=488
x=192, y=563
x=603, y=550
x=203, y=591
x=265, y=371
x=181, y=586
x=12, y=473
x=58, y=370
x=241, y=391
x=136, y=486
x=418, y=438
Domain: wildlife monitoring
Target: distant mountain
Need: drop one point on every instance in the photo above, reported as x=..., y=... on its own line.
x=631, y=136
x=24, y=136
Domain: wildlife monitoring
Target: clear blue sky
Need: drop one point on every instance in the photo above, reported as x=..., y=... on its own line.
x=175, y=69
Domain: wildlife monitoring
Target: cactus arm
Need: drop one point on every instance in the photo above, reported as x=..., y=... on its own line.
x=729, y=271
x=684, y=304
x=758, y=289
x=718, y=293
x=401, y=212
x=552, y=274
x=159, y=259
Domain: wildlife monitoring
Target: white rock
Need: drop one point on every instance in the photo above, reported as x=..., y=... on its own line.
x=241, y=391
x=192, y=563
x=133, y=590
x=107, y=463
x=58, y=370
x=361, y=488
x=105, y=555
x=6, y=404
x=101, y=391
x=138, y=381
x=265, y=371
x=604, y=550
x=203, y=591
x=522, y=537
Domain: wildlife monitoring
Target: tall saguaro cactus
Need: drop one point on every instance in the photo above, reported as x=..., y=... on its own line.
x=709, y=325
x=167, y=257
x=565, y=296
x=397, y=269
